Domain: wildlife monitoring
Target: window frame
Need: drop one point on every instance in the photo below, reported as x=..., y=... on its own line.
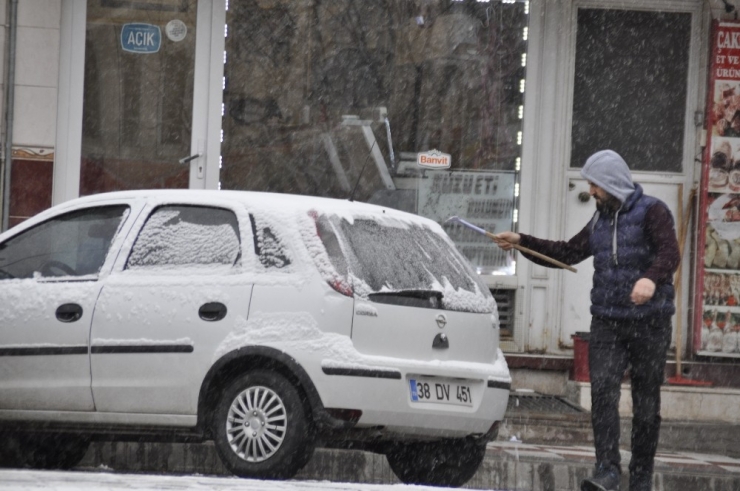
x=207, y=97
x=237, y=265
x=695, y=92
x=688, y=119
x=265, y=224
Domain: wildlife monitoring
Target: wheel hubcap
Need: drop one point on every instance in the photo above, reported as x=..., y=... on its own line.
x=256, y=423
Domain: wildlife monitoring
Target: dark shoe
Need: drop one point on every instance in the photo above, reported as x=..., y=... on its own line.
x=603, y=480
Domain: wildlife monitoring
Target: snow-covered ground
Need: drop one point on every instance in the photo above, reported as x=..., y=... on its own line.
x=30, y=480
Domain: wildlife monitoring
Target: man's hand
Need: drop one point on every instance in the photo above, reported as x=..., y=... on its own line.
x=642, y=291
x=506, y=240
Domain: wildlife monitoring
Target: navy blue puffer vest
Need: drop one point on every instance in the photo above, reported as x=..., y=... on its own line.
x=615, y=276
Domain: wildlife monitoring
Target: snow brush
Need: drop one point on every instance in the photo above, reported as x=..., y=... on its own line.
x=515, y=246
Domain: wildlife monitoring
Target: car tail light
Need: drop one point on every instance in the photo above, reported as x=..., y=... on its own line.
x=341, y=286
x=335, y=280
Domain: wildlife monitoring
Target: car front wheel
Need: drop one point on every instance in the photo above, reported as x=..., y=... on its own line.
x=442, y=463
x=261, y=429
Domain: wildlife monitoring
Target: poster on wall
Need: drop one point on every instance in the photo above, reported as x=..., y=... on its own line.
x=717, y=322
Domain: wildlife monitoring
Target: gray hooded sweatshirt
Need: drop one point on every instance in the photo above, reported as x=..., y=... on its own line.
x=608, y=170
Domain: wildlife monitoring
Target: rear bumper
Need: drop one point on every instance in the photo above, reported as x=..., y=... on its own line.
x=442, y=422
x=384, y=397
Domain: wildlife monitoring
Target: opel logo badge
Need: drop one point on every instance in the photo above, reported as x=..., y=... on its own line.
x=441, y=321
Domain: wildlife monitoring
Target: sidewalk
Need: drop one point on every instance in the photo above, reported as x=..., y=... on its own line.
x=552, y=451
x=521, y=466
x=508, y=466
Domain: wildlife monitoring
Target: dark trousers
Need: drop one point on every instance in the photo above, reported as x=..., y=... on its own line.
x=615, y=345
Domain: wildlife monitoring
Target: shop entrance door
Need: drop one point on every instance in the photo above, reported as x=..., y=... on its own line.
x=632, y=95
x=144, y=111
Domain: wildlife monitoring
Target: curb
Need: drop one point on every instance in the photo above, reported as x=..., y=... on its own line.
x=510, y=466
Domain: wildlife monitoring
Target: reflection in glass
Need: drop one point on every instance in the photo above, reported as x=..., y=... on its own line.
x=74, y=244
x=138, y=95
x=327, y=96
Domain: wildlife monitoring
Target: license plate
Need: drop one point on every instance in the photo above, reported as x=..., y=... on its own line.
x=440, y=391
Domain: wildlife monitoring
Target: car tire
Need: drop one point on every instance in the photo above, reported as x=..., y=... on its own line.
x=449, y=463
x=267, y=452
x=43, y=451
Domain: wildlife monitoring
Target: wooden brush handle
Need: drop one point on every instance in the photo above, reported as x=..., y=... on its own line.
x=540, y=256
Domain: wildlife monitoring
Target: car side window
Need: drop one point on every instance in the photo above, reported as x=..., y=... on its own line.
x=73, y=244
x=184, y=235
x=270, y=251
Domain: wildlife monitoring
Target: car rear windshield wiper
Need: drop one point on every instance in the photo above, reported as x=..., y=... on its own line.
x=430, y=299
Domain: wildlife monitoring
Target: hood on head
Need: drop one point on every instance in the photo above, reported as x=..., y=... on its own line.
x=608, y=170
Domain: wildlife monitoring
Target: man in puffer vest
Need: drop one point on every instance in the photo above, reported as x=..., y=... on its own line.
x=632, y=239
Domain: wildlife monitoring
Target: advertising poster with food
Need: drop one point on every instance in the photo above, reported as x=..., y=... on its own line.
x=717, y=323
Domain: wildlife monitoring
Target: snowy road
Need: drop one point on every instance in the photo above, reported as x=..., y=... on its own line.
x=28, y=480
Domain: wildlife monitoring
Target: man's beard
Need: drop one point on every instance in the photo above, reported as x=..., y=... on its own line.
x=609, y=205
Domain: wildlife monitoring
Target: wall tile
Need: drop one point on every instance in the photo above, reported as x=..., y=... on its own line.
x=39, y=13
x=37, y=57
x=30, y=188
x=35, y=116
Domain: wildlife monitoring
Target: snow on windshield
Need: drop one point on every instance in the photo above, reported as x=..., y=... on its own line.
x=383, y=254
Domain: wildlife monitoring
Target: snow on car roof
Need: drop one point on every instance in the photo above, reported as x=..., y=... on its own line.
x=258, y=200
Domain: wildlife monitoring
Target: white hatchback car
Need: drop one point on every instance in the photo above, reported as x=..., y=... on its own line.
x=268, y=323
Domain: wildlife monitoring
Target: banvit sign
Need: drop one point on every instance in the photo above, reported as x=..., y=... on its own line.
x=433, y=159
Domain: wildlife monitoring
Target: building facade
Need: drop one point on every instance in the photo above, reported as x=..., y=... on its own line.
x=342, y=98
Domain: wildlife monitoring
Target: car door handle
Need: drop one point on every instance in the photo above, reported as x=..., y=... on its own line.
x=69, y=312
x=212, y=311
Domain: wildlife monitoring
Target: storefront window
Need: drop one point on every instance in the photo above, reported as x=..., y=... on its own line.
x=337, y=98
x=138, y=94
x=717, y=314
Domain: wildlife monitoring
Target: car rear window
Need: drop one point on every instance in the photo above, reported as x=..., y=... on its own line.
x=386, y=255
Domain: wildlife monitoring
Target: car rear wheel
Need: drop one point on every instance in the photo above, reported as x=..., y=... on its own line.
x=441, y=463
x=261, y=429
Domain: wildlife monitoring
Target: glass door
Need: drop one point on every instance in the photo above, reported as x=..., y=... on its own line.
x=632, y=93
x=137, y=121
